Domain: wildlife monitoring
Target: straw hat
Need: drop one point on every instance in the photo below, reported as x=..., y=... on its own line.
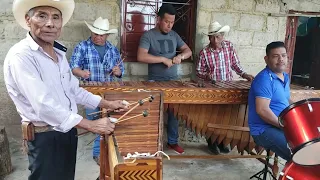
x=216, y=27
x=101, y=26
x=21, y=7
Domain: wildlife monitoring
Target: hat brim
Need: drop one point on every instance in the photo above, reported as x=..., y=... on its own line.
x=21, y=7
x=224, y=29
x=99, y=31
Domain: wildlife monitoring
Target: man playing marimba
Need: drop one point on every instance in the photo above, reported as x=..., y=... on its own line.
x=96, y=59
x=216, y=62
x=269, y=95
x=158, y=49
x=46, y=94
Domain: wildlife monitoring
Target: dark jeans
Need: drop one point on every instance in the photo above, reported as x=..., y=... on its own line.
x=274, y=139
x=52, y=155
x=96, y=143
x=173, y=123
x=172, y=129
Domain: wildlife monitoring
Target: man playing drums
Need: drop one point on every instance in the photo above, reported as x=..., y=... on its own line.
x=216, y=62
x=269, y=95
x=46, y=94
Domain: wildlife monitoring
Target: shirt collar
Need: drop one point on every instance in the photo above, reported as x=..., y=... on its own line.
x=107, y=44
x=274, y=76
x=223, y=45
x=59, y=48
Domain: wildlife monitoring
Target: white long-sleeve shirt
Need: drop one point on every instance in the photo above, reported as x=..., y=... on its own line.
x=44, y=92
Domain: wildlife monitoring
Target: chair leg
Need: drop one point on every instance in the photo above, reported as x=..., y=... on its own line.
x=265, y=170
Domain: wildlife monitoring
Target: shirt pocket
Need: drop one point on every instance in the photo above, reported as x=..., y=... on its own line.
x=66, y=81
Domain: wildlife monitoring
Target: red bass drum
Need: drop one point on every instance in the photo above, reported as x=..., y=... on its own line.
x=301, y=126
x=294, y=171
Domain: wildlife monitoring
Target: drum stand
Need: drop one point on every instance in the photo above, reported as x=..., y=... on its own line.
x=265, y=171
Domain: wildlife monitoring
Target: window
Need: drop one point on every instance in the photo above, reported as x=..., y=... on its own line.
x=139, y=16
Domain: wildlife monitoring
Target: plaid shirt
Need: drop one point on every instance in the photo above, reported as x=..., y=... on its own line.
x=217, y=64
x=86, y=57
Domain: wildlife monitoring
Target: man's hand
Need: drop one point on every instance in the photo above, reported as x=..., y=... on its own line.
x=85, y=74
x=117, y=105
x=116, y=71
x=248, y=77
x=102, y=126
x=177, y=59
x=167, y=62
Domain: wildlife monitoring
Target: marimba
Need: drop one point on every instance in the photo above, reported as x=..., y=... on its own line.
x=217, y=111
x=136, y=134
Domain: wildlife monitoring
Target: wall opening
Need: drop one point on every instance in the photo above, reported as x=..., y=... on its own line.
x=304, y=54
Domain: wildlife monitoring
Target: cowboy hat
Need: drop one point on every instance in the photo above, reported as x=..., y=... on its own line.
x=101, y=26
x=21, y=7
x=216, y=27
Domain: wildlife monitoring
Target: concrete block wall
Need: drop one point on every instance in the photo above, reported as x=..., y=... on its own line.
x=251, y=30
x=251, y=27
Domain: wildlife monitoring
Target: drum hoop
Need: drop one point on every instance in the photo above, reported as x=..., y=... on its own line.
x=315, y=140
x=293, y=105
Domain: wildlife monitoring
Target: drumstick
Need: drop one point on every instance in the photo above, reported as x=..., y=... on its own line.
x=129, y=111
x=123, y=102
x=83, y=133
x=144, y=114
x=121, y=60
x=143, y=100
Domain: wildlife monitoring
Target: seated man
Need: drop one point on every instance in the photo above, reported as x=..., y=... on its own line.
x=216, y=62
x=268, y=97
x=96, y=59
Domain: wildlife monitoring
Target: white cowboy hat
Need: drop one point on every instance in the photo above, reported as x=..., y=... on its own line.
x=216, y=27
x=21, y=7
x=101, y=26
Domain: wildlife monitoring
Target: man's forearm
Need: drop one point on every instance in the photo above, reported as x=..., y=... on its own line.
x=150, y=59
x=104, y=104
x=77, y=72
x=186, y=53
x=269, y=117
x=85, y=124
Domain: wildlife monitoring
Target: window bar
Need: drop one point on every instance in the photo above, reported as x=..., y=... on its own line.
x=176, y=3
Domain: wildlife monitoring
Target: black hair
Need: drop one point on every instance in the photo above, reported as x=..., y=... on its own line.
x=166, y=8
x=274, y=45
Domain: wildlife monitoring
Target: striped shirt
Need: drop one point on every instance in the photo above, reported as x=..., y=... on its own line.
x=217, y=64
x=86, y=57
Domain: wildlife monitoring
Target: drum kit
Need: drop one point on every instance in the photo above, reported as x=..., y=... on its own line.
x=301, y=125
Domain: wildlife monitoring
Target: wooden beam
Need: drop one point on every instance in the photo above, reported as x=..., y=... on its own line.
x=296, y=14
x=227, y=127
x=216, y=156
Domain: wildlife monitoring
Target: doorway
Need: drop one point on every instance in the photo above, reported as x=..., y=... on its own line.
x=305, y=54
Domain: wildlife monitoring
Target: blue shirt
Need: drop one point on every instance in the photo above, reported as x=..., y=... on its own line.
x=267, y=85
x=86, y=57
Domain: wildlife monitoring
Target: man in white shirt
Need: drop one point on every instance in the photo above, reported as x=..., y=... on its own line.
x=46, y=94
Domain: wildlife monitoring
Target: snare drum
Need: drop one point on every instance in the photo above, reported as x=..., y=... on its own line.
x=301, y=126
x=294, y=171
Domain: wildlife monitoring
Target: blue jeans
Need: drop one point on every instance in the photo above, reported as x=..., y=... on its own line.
x=96, y=143
x=274, y=139
x=172, y=129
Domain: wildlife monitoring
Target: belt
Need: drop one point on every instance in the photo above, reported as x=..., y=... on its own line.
x=41, y=129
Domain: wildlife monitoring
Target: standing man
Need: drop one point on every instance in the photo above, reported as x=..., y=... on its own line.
x=269, y=95
x=96, y=59
x=158, y=49
x=216, y=62
x=45, y=93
